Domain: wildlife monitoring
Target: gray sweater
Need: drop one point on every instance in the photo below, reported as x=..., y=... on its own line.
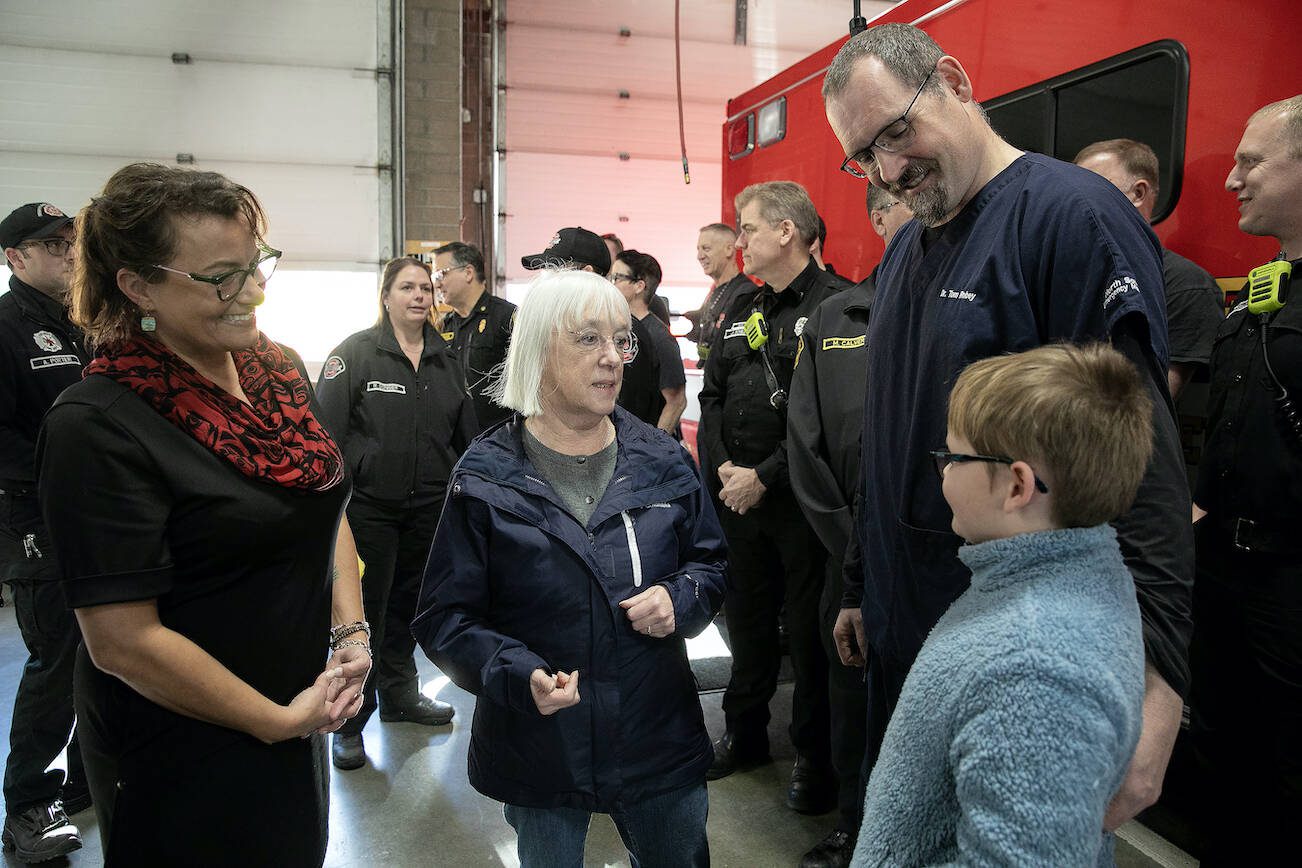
x=1017, y=721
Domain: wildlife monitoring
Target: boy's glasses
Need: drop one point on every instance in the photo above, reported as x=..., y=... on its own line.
x=943, y=459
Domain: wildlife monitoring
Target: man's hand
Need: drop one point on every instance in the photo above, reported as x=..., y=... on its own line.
x=847, y=636
x=1143, y=781
x=742, y=488
x=551, y=693
x=650, y=612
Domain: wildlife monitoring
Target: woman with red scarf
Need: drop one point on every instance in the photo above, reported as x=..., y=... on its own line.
x=194, y=501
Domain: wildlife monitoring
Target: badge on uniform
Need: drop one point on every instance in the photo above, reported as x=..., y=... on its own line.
x=47, y=341
x=482, y=323
x=800, y=326
x=334, y=366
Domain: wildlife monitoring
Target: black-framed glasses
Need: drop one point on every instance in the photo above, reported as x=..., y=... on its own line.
x=616, y=278
x=590, y=340
x=228, y=284
x=893, y=138
x=943, y=459
x=53, y=246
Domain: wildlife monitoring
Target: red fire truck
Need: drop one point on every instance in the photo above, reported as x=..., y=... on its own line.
x=1054, y=76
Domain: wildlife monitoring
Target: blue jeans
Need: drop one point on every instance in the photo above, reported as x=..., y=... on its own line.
x=664, y=831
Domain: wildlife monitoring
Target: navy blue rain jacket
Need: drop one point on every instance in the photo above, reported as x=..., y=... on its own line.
x=514, y=583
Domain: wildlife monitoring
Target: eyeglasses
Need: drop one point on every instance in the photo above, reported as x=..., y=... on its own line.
x=943, y=459
x=230, y=283
x=616, y=278
x=589, y=341
x=440, y=273
x=894, y=137
x=53, y=246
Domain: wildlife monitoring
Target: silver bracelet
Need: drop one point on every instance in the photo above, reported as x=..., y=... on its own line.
x=339, y=631
x=339, y=644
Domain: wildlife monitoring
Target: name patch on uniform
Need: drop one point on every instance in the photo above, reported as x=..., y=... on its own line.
x=391, y=388
x=47, y=341
x=736, y=330
x=1238, y=307
x=960, y=294
x=54, y=362
x=334, y=366
x=1120, y=287
x=844, y=343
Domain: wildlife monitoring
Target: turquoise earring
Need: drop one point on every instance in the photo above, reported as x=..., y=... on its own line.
x=148, y=323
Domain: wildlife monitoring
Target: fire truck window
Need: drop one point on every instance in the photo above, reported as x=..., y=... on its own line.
x=1140, y=94
x=772, y=122
x=1135, y=102
x=741, y=137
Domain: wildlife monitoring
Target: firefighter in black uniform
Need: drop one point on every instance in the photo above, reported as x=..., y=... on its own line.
x=479, y=326
x=823, y=428
x=1246, y=655
x=773, y=554
x=716, y=250
x=393, y=396
x=41, y=354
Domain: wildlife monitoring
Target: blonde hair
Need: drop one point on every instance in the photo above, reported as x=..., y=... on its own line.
x=558, y=301
x=1079, y=415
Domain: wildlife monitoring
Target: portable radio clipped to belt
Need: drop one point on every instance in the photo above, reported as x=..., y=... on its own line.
x=1268, y=286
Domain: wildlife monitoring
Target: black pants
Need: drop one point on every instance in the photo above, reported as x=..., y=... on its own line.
x=43, y=717
x=848, y=702
x=774, y=557
x=393, y=542
x=1246, y=699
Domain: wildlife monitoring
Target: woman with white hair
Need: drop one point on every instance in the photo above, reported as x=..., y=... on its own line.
x=578, y=546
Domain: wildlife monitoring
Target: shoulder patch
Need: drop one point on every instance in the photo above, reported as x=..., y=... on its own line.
x=632, y=348
x=334, y=366
x=47, y=341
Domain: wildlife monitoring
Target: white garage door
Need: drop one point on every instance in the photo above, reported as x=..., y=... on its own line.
x=281, y=97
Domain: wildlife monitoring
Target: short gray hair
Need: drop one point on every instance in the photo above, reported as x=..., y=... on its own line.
x=879, y=198
x=558, y=300
x=909, y=53
x=1291, y=109
x=782, y=200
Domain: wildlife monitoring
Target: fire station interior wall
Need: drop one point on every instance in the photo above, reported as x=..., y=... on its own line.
x=281, y=97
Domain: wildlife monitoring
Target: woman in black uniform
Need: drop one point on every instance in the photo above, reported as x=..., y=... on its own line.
x=394, y=397
x=194, y=501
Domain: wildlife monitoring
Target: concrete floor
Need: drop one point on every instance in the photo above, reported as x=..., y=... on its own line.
x=412, y=806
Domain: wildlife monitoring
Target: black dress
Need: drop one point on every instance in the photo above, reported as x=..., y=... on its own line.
x=138, y=509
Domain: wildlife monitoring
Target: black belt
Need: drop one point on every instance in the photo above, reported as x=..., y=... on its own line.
x=1247, y=535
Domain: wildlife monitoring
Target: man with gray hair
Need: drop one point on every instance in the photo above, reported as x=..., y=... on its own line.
x=1194, y=304
x=773, y=554
x=1247, y=648
x=1008, y=251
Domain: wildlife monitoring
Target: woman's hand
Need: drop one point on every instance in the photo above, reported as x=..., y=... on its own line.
x=651, y=612
x=355, y=663
x=552, y=693
x=313, y=710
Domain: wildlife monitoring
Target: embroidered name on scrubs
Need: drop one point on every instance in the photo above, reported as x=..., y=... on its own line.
x=54, y=362
x=391, y=388
x=844, y=343
x=960, y=294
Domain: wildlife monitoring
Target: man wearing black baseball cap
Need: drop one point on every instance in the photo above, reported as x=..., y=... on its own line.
x=41, y=354
x=576, y=247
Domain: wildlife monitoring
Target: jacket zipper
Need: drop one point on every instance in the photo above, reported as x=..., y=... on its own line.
x=632, y=548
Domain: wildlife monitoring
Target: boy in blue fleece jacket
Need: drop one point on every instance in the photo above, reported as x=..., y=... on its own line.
x=1020, y=715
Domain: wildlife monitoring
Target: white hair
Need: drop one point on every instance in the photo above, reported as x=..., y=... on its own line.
x=558, y=300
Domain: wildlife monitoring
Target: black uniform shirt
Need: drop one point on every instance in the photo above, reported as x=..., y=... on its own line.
x=715, y=307
x=738, y=420
x=41, y=354
x=1252, y=466
x=401, y=429
x=826, y=412
x=481, y=340
x=1194, y=309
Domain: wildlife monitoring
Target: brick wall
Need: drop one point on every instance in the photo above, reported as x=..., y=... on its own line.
x=432, y=129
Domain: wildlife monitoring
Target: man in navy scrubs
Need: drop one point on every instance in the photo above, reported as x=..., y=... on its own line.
x=1009, y=251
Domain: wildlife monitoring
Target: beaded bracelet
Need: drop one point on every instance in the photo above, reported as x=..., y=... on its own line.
x=350, y=643
x=339, y=631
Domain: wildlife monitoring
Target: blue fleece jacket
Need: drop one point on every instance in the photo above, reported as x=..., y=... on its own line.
x=1020, y=715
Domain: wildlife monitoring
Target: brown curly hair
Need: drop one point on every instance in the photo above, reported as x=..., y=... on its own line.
x=132, y=225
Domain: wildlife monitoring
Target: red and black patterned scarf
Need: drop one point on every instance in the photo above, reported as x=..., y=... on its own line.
x=276, y=440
